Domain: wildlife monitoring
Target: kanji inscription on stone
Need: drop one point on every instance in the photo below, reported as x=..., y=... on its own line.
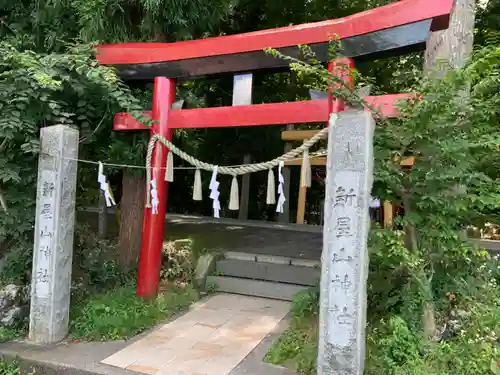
x=54, y=222
x=345, y=233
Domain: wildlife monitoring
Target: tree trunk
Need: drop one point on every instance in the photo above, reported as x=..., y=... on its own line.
x=131, y=212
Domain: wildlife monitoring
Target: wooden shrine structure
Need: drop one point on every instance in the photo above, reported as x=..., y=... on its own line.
x=320, y=161
x=394, y=29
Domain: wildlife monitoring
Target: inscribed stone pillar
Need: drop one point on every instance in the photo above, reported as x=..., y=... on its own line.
x=452, y=46
x=344, y=260
x=54, y=227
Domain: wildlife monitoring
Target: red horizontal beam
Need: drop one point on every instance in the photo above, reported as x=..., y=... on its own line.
x=256, y=114
x=396, y=14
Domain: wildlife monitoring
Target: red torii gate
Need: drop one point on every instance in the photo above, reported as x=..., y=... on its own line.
x=393, y=29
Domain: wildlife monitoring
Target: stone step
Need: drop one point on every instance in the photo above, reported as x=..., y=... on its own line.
x=275, y=259
x=66, y=358
x=282, y=273
x=256, y=288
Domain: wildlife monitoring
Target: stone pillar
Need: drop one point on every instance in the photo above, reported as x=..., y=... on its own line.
x=453, y=46
x=54, y=228
x=344, y=260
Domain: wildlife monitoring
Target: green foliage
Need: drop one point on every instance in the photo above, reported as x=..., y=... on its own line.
x=7, y=334
x=47, y=25
x=16, y=263
x=433, y=298
x=120, y=314
x=212, y=287
x=94, y=262
x=305, y=303
x=38, y=90
x=297, y=346
x=178, y=261
x=9, y=367
x=394, y=346
x=397, y=346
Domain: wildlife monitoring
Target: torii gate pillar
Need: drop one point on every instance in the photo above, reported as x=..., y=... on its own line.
x=153, y=226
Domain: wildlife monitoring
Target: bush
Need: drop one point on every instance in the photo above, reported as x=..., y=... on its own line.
x=305, y=304
x=16, y=264
x=94, y=263
x=95, y=267
x=9, y=367
x=298, y=345
x=178, y=260
x=467, y=310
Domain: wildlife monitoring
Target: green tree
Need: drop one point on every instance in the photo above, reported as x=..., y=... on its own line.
x=36, y=37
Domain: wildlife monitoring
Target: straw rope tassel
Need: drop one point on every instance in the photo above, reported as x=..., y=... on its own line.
x=271, y=188
x=197, y=189
x=305, y=172
x=234, y=200
x=169, y=173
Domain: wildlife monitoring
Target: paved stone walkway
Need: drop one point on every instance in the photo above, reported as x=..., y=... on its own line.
x=211, y=339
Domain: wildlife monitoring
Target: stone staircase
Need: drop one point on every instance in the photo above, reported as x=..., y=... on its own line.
x=266, y=276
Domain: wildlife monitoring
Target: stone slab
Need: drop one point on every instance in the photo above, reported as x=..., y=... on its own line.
x=305, y=263
x=54, y=229
x=211, y=339
x=269, y=272
x=204, y=266
x=343, y=299
x=83, y=358
x=253, y=363
x=491, y=245
x=249, y=257
x=258, y=288
x=65, y=358
x=266, y=258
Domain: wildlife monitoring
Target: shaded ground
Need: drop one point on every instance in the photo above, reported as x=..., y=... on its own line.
x=233, y=235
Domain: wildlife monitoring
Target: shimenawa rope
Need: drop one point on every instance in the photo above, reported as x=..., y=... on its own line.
x=232, y=171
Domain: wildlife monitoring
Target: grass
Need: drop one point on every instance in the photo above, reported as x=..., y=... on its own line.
x=120, y=314
x=7, y=334
x=297, y=347
x=9, y=367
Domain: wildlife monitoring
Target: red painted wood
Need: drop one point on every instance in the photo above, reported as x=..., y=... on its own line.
x=153, y=225
x=342, y=68
x=389, y=16
x=256, y=114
